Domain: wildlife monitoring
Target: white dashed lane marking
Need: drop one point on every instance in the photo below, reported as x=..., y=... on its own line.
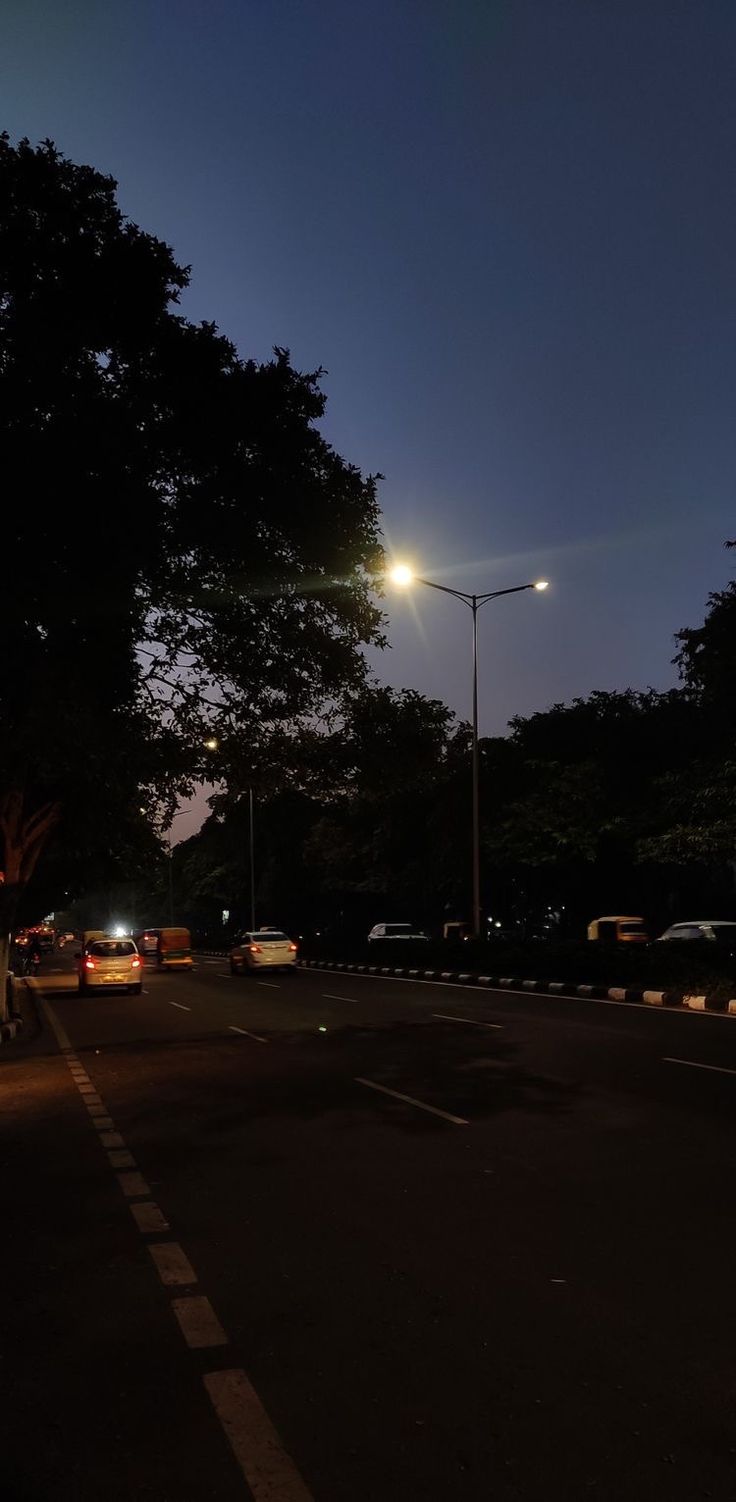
x=268, y=1469
x=409, y=1100
x=246, y=1034
x=172, y=1264
x=148, y=1218
x=494, y=1026
x=327, y=997
x=198, y=1322
x=273, y=985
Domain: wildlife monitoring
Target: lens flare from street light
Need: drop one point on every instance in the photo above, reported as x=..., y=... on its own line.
x=542, y=584
x=401, y=574
x=211, y=744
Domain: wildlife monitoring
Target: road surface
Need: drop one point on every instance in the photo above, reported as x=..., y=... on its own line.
x=362, y=1239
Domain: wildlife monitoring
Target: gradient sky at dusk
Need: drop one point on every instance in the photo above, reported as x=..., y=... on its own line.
x=507, y=231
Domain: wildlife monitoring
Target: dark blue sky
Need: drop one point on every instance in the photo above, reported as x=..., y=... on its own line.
x=507, y=230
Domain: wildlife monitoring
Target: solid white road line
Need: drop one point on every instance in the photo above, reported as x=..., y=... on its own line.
x=410, y=1101
x=246, y=1034
x=268, y=1469
x=180, y=1005
x=595, y=1001
x=198, y=1322
x=133, y=1184
x=443, y=1016
x=149, y=1218
x=693, y=1064
x=273, y=984
x=327, y=997
x=172, y=1264
x=224, y=975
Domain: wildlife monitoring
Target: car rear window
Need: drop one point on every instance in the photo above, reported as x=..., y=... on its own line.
x=271, y=938
x=631, y=928
x=398, y=928
x=111, y=949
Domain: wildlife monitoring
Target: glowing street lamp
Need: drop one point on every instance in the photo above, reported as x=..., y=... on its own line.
x=402, y=575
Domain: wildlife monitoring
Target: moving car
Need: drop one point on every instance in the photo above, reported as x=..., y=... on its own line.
x=618, y=931
x=147, y=940
x=395, y=931
x=263, y=948
x=174, y=949
x=713, y=931
x=110, y=962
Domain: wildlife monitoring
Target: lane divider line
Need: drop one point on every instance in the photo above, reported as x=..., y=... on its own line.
x=269, y=1471
x=273, y=985
x=172, y=1264
x=246, y=1034
x=133, y=1184
x=198, y=1322
x=149, y=1219
x=411, y=1101
x=693, y=1064
x=326, y=996
x=180, y=1006
x=445, y=1017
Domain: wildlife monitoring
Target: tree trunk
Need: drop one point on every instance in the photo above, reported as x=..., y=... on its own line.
x=23, y=835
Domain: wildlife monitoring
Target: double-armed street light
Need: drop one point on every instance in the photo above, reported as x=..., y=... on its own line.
x=404, y=576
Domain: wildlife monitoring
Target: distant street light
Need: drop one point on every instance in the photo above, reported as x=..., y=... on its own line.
x=402, y=575
x=212, y=743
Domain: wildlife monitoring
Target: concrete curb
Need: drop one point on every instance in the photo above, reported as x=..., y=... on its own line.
x=14, y=1025
x=673, y=1000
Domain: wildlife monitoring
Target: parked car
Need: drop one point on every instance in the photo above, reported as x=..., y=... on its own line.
x=618, y=931
x=395, y=931
x=110, y=962
x=720, y=932
x=262, y=948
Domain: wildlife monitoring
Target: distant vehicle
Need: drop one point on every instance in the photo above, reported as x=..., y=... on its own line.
x=147, y=940
x=21, y=939
x=395, y=931
x=113, y=963
x=262, y=948
x=44, y=937
x=618, y=931
x=456, y=932
x=711, y=931
x=174, y=949
x=66, y=937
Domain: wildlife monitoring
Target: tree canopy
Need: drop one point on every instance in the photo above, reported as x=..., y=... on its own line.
x=184, y=552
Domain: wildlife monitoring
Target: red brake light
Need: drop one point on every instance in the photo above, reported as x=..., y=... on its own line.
x=255, y=949
x=89, y=964
x=135, y=963
x=293, y=948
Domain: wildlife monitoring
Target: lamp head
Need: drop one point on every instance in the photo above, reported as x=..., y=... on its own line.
x=401, y=574
x=542, y=584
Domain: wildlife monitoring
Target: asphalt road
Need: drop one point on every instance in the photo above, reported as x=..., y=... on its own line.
x=428, y=1242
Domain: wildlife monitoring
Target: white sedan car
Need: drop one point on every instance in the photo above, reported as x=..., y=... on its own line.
x=260, y=949
x=394, y=931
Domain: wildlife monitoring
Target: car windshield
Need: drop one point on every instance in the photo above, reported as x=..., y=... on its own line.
x=111, y=949
x=631, y=928
x=399, y=928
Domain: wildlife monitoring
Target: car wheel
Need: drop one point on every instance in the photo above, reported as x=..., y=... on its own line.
x=82, y=989
x=233, y=968
x=136, y=990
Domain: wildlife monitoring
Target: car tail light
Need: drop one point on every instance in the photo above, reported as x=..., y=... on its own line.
x=255, y=949
x=135, y=964
x=293, y=948
x=89, y=964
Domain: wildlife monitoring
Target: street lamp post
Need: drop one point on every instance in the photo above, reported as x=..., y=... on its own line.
x=403, y=575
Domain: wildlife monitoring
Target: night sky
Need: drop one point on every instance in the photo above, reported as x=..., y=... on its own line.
x=506, y=230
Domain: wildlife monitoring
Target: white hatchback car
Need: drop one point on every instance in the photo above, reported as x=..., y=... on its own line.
x=113, y=963
x=263, y=948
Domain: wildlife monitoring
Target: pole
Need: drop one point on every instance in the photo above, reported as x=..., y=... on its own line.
x=252, y=863
x=476, y=779
x=171, y=883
